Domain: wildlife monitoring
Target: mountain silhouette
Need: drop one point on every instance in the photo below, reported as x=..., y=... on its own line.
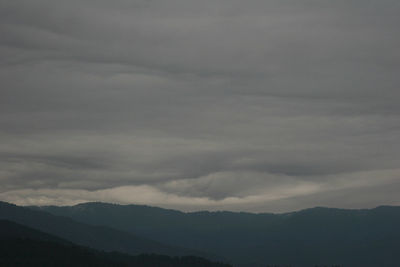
x=25, y=246
x=317, y=236
x=97, y=237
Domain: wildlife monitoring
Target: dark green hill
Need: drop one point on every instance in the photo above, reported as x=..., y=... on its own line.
x=12, y=230
x=24, y=246
x=321, y=236
x=98, y=237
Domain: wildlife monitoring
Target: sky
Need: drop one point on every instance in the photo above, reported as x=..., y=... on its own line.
x=261, y=106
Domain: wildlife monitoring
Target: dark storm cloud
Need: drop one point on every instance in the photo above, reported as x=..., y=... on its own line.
x=211, y=104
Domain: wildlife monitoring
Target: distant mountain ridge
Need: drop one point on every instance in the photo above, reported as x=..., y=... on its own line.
x=25, y=246
x=93, y=236
x=325, y=236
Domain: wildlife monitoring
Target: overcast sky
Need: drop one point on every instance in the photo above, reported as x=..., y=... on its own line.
x=265, y=106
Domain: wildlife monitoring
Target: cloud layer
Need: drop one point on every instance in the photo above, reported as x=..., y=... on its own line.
x=260, y=106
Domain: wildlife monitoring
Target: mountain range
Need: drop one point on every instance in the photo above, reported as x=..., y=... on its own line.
x=25, y=246
x=317, y=236
x=311, y=237
x=94, y=236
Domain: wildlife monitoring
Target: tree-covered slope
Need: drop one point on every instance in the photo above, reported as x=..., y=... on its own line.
x=25, y=246
x=98, y=237
x=304, y=238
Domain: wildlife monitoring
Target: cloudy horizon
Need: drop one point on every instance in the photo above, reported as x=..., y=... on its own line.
x=266, y=106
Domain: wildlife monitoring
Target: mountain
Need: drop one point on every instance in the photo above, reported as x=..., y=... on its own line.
x=318, y=236
x=25, y=246
x=11, y=230
x=98, y=237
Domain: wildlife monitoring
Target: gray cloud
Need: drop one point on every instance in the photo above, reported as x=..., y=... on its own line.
x=263, y=105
